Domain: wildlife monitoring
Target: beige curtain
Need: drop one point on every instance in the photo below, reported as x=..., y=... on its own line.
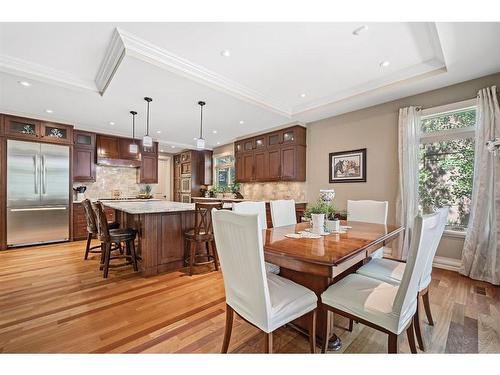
x=407, y=199
x=481, y=253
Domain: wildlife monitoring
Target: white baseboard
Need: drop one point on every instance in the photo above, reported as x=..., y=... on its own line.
x=447, y=263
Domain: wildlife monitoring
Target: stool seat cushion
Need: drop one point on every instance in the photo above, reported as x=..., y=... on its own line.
x=122, y=234
x=202, y=236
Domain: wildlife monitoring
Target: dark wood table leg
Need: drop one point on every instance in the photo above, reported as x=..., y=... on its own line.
x=318, y=284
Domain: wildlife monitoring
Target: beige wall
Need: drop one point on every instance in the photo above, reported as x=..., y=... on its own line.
x=375, y=129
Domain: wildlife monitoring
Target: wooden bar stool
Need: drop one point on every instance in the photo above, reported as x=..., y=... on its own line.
x=92, y=228
x=115, y=236
x=202, y=234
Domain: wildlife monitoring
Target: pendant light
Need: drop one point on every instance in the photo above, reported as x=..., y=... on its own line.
x=132, y=148
x=200, y=142
x=147, y=141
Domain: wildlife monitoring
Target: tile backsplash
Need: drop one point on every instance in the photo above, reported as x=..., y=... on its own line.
x=112, y=178
x=274, y=190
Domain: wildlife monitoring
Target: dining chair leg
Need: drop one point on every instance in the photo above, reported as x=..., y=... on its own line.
x=418, y=331
x=312, y=331
x=269, y=343
x=392, y=347
x=427, y=306
x=411, y=338
x=326, y=332
x=103, y=256
x=228, y=329
x=87, y=248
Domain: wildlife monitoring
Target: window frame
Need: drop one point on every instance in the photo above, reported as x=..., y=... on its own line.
x=221, y=155
x=448, y=135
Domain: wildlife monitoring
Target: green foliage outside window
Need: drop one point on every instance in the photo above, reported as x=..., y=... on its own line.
x=447, y=168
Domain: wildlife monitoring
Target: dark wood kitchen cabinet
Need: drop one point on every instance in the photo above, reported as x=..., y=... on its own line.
x=108, y=147
x=276, y=156
x=84, y=156
x=124, y=149
x=56, y=133
x=148, y=171
x=80, y=223
x=20, y=127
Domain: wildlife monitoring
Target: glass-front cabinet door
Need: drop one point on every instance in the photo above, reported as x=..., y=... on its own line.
x=58, y=133
x=20, y=127
x=289, y=136
x=84, y=139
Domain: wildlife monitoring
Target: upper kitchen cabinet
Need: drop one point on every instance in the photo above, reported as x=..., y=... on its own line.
x=19, y=127
x=1, y=125
x=56, y=133
x=276, y=156
x=84, y=156
x=124, y=148
x=108, y=147
x=148, y=172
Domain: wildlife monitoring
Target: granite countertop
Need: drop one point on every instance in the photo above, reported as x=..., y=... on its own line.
x=238, y=200
x=149, y=207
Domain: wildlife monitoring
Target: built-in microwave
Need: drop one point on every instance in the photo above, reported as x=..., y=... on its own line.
x=186, y=185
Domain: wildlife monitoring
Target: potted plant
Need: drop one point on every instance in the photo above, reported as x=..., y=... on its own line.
x=219, y=192
x=228, y=192
x=145, y=192
x=235, y=188
x=322, y=214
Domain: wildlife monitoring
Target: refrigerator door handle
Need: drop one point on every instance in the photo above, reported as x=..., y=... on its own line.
x=44, y=176
x=37, y=209
x=35, y=177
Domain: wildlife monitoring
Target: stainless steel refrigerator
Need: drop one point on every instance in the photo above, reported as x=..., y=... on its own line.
x=37, y=193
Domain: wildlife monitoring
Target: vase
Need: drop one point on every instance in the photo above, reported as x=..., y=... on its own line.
x=332, y=225
x=318, y=222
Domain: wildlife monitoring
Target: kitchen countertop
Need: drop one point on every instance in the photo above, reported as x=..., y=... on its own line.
x=235, y=200
x=148, y=206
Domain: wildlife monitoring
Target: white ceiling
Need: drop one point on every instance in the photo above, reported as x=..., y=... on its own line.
x=92, y=73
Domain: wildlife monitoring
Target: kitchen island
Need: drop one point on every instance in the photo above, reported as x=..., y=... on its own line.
x=160, y=229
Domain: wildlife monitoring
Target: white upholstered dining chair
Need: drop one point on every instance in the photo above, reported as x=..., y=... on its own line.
x=283, y=212
x=263, y=299
x=258, y=208
x=368, y=211
x=392, y=270
x=384, y=306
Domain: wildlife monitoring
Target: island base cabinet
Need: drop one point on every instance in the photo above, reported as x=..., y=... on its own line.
x=160, y=239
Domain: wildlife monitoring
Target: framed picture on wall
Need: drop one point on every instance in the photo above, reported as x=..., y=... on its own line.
x=348, y=166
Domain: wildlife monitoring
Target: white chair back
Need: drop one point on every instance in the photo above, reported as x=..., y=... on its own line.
x=367, y=211
x=283, y=213
x=241, y=256
x=443, y=219
x=258, y=208
x=424, y=234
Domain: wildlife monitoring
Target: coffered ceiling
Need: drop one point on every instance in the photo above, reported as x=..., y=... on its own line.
x=253, y=76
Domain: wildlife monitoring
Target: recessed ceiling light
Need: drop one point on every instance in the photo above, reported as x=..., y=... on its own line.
x=24, y=83
x=111, y=123
x=49, y=111
x=161, y=150
x=194, y=139
x=303, y=95
x=359, y=30
x=172, y=146
x=218, y=143
x=385, y=64
x=242, y=122
x=214, y=131
x=225, y=53
x=158, y=132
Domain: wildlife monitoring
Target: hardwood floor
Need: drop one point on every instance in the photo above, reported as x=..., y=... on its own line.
x=52, y=301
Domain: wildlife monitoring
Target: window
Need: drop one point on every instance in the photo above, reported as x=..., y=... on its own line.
x=446, y=168
x=224, y=170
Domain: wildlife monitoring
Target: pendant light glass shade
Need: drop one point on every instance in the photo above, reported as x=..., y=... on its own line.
x=133, y=148
x=147, y=141
x=200, y=142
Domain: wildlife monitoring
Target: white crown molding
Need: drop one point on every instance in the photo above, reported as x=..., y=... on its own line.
x=112, y=60
x=148, y=52
x=29, y=70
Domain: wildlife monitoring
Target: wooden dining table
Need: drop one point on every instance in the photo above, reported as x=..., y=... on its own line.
x=319, y=263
